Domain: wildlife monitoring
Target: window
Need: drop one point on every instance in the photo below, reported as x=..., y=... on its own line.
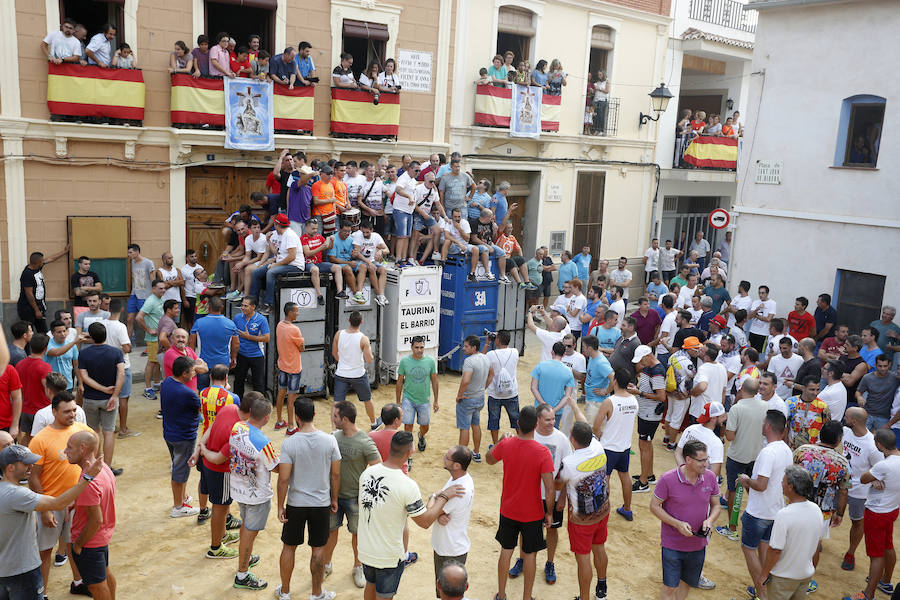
x=515, y=32
x=859, y=297
x=588, y=224
x=366, y=42
x=94, y=14
x=601, y=46
x=859, y=131
x=242, y=18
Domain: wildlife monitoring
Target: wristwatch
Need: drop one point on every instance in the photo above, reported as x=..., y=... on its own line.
x=87, y=477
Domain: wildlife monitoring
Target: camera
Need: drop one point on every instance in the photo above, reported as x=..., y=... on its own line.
x=491, y=335
x=397, y=87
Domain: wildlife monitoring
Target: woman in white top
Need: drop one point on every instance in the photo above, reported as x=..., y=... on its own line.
x=368, y=80
x=342, y=76
x=387, y=80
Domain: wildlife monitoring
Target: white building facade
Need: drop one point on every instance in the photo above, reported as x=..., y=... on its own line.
x=817, y=207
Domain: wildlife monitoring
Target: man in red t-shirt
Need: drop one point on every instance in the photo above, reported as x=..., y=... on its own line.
x=392, y=417
x=215, y=475
x=10, y=400
x=240, y=62
x=313, y=246
x=832, y=348
x=178, y=348
x=526, y=464
x=801, y=324
x=32, y=371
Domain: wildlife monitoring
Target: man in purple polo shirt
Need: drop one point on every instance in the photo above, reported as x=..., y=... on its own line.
x=647, y=321
x=686, y=500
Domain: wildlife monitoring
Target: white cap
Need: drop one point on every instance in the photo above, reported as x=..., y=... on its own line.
x=640, y=352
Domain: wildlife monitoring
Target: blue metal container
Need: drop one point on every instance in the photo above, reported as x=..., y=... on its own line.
x=467, y=308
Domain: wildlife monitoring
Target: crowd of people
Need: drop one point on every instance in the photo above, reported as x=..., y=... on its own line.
x=694, y=124
x=68, y=45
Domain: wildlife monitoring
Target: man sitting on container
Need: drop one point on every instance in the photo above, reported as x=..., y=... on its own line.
x=456, y=240
x=369, y=248
x=340, y=253
x=313, y=246
x=484, y=235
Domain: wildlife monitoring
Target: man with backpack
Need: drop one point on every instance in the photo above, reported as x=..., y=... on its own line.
x=503, y=389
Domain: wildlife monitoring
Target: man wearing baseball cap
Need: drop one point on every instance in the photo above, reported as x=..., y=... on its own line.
x=20, y=562
x=718, y=327
x=651, y=397
x=684, y=367
x=288, y=259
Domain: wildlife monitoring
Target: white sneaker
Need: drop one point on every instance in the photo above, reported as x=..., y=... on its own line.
x=281, y=596
x=504, y=280
x=325, y=595
x=328, y=569
x=382, y=300
x=706, y=584
x=358, y=578
x=184, y=511
x=489, y=276
x=435, y=256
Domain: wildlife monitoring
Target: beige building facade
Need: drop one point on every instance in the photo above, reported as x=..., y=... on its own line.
x=176, y=184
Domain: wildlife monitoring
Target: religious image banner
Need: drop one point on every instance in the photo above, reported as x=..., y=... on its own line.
x=249, y=114
x=525, y=117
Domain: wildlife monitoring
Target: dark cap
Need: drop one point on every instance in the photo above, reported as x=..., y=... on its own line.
x=17, y=453
x=326, y=170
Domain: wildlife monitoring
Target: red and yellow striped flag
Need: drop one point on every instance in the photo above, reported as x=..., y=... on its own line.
x=92, y=91
x=493, y=106
x=353, y=112
x=712, y=151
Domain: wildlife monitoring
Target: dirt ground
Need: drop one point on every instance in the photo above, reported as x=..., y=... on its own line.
x=154, y=556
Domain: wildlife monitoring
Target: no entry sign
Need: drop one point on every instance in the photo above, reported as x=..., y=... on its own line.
x=719, y=218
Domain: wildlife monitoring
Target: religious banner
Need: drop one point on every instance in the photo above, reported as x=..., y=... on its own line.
x=92, y=91
x=712, y=152
x=493, y=108
x=525, y=117
x=249, y=115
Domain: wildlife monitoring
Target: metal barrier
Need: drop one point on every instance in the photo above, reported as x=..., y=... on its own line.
x=414, y=309
x=511, y=315
x=467, y=308
x=371, y=328
x=312, y=319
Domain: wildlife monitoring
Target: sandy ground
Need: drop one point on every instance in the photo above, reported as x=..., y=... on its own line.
x=154, y=556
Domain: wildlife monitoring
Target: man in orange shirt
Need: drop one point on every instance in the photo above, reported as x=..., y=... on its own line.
x=323, y=200
x=289, y=342
x=342, y=202
x=52, y=475
x=515, y=262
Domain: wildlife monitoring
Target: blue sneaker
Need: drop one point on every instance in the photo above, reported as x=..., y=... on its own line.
x=886, y=587
x=813, y=586
x=627, y=514
x=476, y=456
x=550, y=572
x=723, y=502
x=516, y=569
x=149, y=393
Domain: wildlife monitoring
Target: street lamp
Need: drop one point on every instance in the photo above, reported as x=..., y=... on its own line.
x=660, y=99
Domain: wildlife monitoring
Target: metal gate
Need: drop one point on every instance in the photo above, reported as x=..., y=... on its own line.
x=688, y=215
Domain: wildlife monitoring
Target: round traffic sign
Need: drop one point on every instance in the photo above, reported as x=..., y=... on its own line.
x=719, y=218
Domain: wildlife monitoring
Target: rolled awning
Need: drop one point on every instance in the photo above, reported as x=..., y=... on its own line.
x=366, y=30
x=266, y=4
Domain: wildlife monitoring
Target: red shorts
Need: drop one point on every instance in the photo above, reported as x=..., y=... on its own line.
x=879, y=531
x=582, y=537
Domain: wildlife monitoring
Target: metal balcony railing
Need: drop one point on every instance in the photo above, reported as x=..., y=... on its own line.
x=727, y=13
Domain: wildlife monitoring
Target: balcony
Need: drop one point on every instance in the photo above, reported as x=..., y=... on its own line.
x=725, y=13
x=91, y=94
x=707, y=152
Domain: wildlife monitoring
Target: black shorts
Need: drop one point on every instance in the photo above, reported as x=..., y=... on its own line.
x=545, y=288
x=647, y=429
x=188, y=307
x=217, y=485
x=514, y=261
x=92, y=564
x=316, y=519
x=557, y=521
x=532, y=533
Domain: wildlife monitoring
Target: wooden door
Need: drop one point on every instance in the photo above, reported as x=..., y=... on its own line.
x=518, y=193
x=213, y=193
x=588, y=224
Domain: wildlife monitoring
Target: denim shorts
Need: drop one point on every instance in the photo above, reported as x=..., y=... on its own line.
x=468, y=412
x=456, y=249
x=92, y=564
x=734, y=468
x=348, y=507
x=386, y=581
x=360, y=385
x=125, y=392
x=28, y=585
x=856, y=508
x=180, y=452
x=679, y=565
x=420, y=223
x=403, y=224
x=495, y=250
x=413, y=412
x=754, y=531
x=324, y=267
x=289, y=382
x=495, y=407
x=874, y=422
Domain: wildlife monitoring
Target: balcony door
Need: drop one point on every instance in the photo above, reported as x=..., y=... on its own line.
x=588, y=225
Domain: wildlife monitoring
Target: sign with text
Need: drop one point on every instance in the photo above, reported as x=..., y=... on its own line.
x=414, y=69
x=554, y=192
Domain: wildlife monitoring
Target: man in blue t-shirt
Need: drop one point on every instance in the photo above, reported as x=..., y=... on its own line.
x=607, y=333
x=716, y=290
x=100, y=367
x=656, y=289
x=305, y=66
x=583, y=261
x=595, y=299
x=597, y=379
x=341, y=253
x=568, y=270
x=253, y=331
x=826, y=319
x=61, y=356
x=218, y=338
x=180, y=407
x=552, y=381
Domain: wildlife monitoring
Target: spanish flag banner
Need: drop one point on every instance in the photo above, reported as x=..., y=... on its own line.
x=493, y=106
x=92, y=91
x=202, y=101
x=712, y=151
x=354, y=113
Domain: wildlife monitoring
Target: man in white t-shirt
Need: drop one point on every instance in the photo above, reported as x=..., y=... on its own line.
x=621, y=277
x=651, y=259
x=369, y=248
x=387, y=498
x=288, y=259
x=767, y=385
x=667, y=257
x=557, y=443
x=785, y=365
x=761, y=313
x=404, y=206
x=62, y=46
x=834, y=394
x=502, y=389
x=188, y=273
x=557, y=328
x=450, y=535
x=709, y=383
x=618, y=303
x=881, y=511
x=117, y=337
x=765, y=497
x=794, y=545
x=456, y=240
x=570, y=304
x=686, y=295
x=730, y=358
x=776, y=334
x=713, y=416
x=666, y=335
x=861, y=453
x=741, y=301
x=574, y=360
x=354, y=181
